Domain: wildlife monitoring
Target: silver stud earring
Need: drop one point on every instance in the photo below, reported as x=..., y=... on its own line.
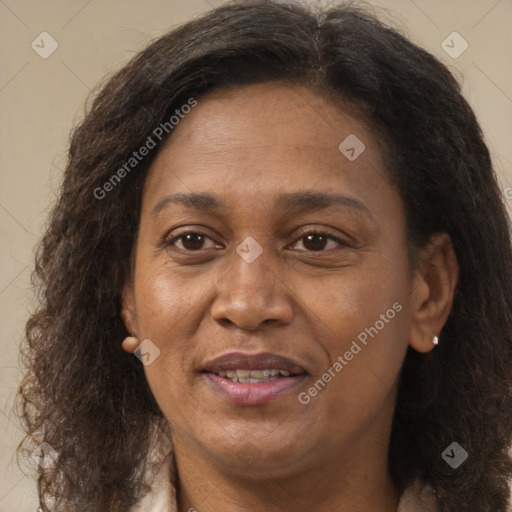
x=435, y=339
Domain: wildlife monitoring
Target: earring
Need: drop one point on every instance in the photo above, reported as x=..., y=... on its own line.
x=435, y=339
x=130, y=343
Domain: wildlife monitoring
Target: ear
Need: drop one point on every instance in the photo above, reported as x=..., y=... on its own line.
x=128, y=314
x=435, y=279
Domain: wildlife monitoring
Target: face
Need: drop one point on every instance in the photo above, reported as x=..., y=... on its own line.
x=272, y=276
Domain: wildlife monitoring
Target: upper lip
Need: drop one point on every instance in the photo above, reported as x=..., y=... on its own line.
x=262, y=361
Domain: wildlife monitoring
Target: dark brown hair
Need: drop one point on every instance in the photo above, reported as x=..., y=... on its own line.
x=90, y=401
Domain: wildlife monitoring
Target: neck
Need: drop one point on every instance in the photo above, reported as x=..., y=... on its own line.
x=356, y=482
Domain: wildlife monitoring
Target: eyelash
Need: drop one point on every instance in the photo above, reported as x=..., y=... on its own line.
x=325, y=234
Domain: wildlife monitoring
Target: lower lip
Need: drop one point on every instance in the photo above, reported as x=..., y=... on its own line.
x=256, y=393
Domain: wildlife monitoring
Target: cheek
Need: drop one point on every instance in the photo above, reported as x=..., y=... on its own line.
x=361, y=322
x=355, y=299
x=166, y=301
x=170, y=311
x=363, y=337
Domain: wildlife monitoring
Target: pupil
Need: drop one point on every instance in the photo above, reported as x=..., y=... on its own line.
x=193, y=244
x=316, y=241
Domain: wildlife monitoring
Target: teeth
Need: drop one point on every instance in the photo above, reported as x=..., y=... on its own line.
x=253, y=376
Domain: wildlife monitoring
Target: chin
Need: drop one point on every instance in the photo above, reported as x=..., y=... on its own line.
x=255, y=455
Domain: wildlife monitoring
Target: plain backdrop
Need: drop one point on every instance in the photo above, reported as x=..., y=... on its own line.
x=41, y=99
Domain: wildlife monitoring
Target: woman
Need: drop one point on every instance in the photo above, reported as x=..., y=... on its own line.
x=277, y=278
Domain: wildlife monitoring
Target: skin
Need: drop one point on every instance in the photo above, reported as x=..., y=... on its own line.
x=301, y=299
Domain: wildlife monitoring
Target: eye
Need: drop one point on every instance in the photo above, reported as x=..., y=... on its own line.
x=190, y=241
x=318, y=241
x=315, y=241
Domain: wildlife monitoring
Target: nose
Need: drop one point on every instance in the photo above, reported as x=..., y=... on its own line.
x=252, y=294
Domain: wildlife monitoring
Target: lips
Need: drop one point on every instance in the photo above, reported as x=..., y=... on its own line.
x=245, y=379
x=264, y=361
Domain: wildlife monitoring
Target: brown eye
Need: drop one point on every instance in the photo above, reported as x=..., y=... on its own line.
x=315, y=242
x=190, y=241
x=319, y=242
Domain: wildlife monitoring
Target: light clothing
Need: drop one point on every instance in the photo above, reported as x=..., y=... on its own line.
x=162, y=497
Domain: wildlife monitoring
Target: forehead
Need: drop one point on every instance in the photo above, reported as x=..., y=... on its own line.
x=257, y=140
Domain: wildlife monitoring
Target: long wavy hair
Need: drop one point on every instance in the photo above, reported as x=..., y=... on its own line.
x=90, y=401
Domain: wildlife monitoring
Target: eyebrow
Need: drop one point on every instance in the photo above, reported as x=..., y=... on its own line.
x=202, y=202
x=294, y=202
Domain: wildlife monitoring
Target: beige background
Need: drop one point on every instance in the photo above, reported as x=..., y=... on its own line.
x=41, y=99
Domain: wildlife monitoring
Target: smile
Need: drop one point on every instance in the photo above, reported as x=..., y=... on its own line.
x=245, y=379
x=253, y=376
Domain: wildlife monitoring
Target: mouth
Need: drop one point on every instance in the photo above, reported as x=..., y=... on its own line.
x=246, y=379
x=253, y=376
